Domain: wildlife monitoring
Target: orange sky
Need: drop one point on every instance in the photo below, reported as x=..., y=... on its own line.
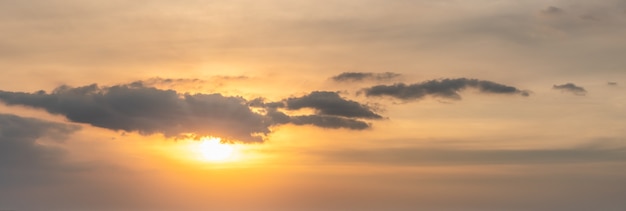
x=326, y=105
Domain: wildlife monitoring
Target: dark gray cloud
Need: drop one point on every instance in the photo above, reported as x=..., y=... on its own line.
x=445, y=88
x=572, y=88
x=330, y=103
x=332, y=111
x=23, y=157
x=147, y=110
x=612, y=83
x=360, y=76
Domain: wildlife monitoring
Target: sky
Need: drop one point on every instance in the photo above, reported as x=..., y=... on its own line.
x=276, y=105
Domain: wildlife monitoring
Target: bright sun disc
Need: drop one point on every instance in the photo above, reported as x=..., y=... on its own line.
x=213, y=150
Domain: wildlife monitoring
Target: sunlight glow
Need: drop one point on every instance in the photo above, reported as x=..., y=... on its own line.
x=212, y=152
x=212, y=149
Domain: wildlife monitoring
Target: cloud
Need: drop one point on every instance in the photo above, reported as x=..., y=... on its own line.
x=330, y=122
x=148, y=110
x=572, y=88
x=445, y=88
x=360, y=76
x=24, y=158
x=330, y=103
x=552, y=10
x=191, y=85
x=157, y=81
x=438, y=156
x=331, y=111
x=612, y=83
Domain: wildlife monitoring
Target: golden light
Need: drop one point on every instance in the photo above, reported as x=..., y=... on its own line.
x=211, y=149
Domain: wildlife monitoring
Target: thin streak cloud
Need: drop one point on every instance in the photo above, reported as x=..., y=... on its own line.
x=362, y=76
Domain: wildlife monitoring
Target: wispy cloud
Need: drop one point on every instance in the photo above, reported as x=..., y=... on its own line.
x=361, y=76
x=330, y=122
x=439, y=156
x=552, y=10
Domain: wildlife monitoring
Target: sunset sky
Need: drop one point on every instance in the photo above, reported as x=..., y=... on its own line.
x=313, y=105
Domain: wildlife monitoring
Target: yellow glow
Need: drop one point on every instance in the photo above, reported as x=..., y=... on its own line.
x=211, y=152
x=211, y=149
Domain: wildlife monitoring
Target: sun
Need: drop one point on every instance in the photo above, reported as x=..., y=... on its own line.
x=211, y=149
